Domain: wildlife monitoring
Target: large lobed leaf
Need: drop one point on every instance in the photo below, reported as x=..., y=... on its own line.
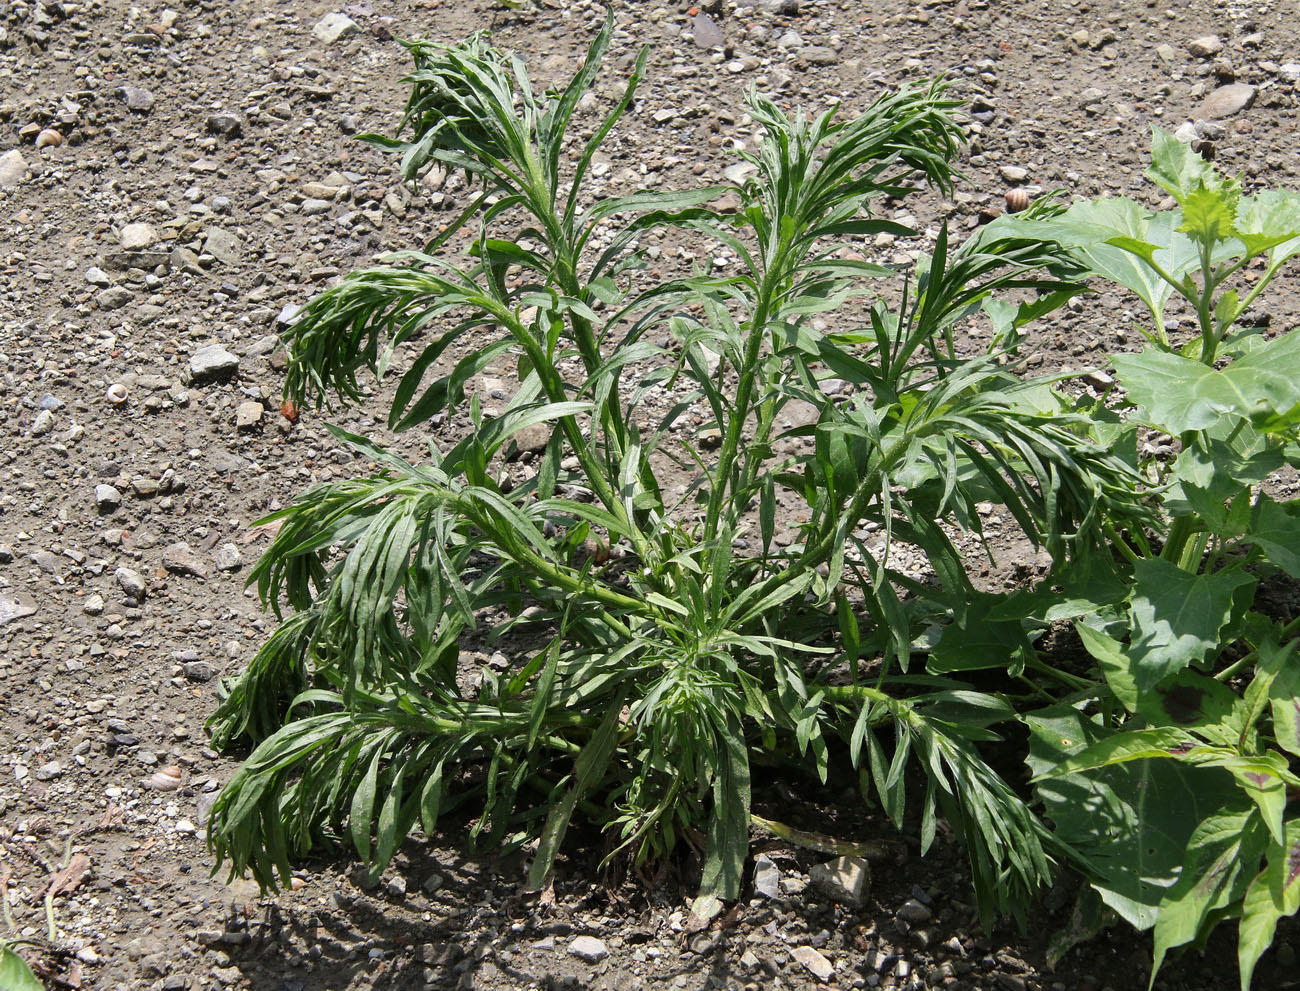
x=1129, y=822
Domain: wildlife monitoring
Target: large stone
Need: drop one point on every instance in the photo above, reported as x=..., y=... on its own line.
x=131, y=583
x=333, y=27
x=844, y=880
x=137, y=237
x=248, y=414
x=1228, y=100
x=107, y=498
x=227, y=557
x=915, y=912
x=212, y=361
x=13, y=168
x=114, y=298
x=589, y=948
x=136, y=98
x=818, y=55
x=12, y=607
x=1205, y=46
x=706, y=33
x=223, y=246
x=816, y=964
x=180, y=559
x=767, y=877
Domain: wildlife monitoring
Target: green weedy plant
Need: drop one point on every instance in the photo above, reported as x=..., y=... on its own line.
x=661, y=676
x=1174, y=786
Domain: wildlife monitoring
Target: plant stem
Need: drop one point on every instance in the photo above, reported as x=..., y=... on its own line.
x=1289, y=630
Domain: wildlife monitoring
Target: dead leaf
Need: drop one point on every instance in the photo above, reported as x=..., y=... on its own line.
x=547, y=897
x=271, y=530
x=67, y=879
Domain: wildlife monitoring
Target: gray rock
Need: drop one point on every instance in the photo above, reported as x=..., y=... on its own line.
x=1186, y=132
x=248, y=415
x=98, y=277
x=223, y=246
x=738, y=172
x=94, y=604
x=114, y=298
x=131, y=583
x=107, y=498
x=814, y=962
x=227, y=557
x=212, y=361
x=122, y=261
x=845, y=880
x=13, y=168
x=227, y=124
x=791, y=39
x=136, y=98
x=786, y=8
x=1228, y=100
x=333, y=27
x=1166, y=53
x=396, y=887
x=43, y=423
x=532, y=438
x=198, y=670
x=46, y=561
x=588, y=948
x=1206, y=46
x=50, y=771
x=706, y=33
x=1013, y=173
x=137, y=237
x=314, y=207
x=1210, y=131
x=767, y=877
x=818, y=55
x=263, y=345
x=180, y=559
x=184, y=260
x=12, y=607
x=914, y=912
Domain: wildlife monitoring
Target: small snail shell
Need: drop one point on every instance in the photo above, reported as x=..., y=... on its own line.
x=1017, y=199
x=164, y=779
x=49, y=138
x=116, y=394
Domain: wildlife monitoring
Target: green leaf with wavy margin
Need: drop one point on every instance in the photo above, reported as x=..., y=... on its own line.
x=1176, y=617
x=1129, y=822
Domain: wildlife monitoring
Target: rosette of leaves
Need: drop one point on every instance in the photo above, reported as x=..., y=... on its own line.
x=657, y=675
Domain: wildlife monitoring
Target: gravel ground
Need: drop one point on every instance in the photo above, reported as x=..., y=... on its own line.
x=174, y=181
